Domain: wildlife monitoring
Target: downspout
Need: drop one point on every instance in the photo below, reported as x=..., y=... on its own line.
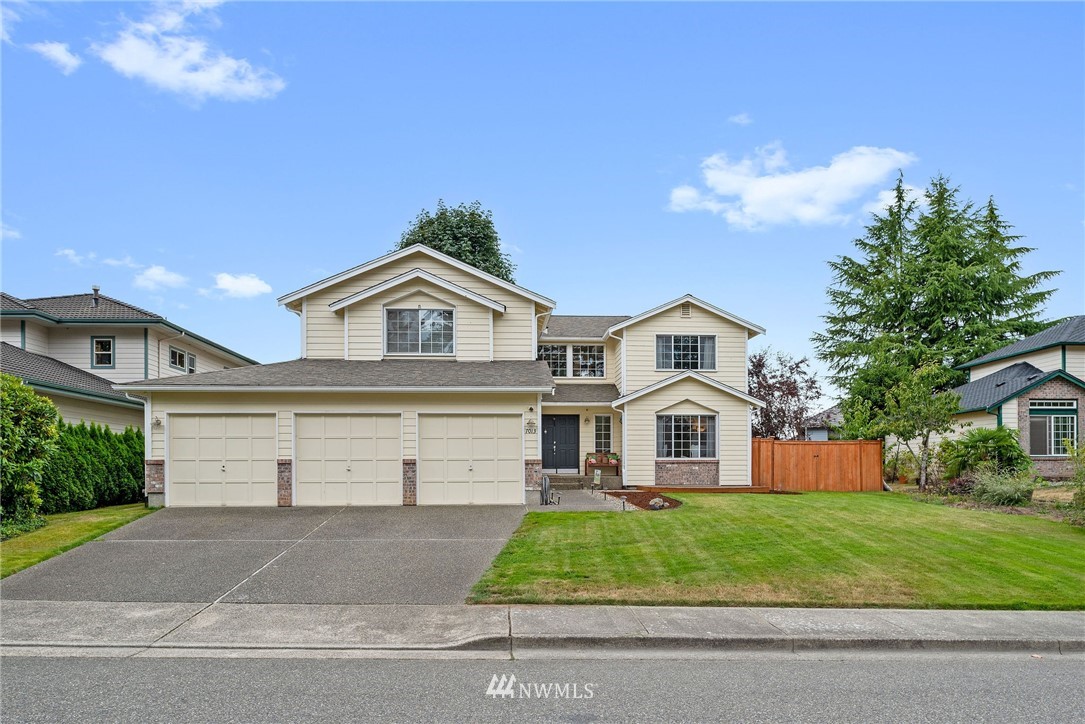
x=535, y=333
x=158, y=362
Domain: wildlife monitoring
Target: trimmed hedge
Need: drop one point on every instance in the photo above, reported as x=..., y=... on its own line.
x=93, y=467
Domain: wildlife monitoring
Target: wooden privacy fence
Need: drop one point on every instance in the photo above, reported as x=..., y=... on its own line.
x=836, y=465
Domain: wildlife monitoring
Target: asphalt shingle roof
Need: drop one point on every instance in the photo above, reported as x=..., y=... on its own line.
x=1068, y=331
x=826, y=418
x=392, y=374
x=588, y=394
x=568, y=326
x=48, y=371
x=81, y=306
x=986, y=391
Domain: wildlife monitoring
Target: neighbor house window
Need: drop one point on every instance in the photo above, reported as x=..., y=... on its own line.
x=603, y=433
x=685, y=352
x=574, y=360
x=101, y=352
x=1051, y=424
x=182, y=360
x=419, y=331
x=685, y=436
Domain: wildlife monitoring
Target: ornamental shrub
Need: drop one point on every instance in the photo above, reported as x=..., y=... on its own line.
x=28, y=431
x=997, y=448
x=1002, y=488
x=93, y=467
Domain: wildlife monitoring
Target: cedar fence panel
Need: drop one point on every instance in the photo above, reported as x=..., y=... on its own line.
x=827, y=465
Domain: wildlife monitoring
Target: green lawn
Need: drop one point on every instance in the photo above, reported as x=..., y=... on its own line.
x=819, y=549
x=63, y=532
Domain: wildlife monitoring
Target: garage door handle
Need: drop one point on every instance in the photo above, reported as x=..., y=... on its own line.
x=348, y=468
x=223, y=468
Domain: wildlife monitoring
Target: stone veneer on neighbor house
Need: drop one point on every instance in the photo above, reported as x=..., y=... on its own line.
x=1057, y=389
x=285, y=481
x=410, y=481
x=687, y=472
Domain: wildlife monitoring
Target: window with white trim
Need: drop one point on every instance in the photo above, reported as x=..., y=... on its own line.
x=685, y=352
x=101, y=352
x=603, y=436
x=419, y=331
x=685, y=436
x=182, y=360
x=1051, y=424
x=574, y=360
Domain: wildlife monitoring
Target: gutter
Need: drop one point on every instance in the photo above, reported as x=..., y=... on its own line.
x=264, y=388
x=83, y=394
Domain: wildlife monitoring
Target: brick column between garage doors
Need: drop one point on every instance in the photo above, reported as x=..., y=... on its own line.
x=154, y=481
x=285, y=482
x=410, y=481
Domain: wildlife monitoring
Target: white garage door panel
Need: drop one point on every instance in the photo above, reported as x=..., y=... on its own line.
x=349, y=460
x=470, y=460
x=218, y=460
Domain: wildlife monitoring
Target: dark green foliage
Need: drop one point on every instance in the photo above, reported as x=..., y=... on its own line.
x=465, y=232
x=996, y=447
x=93, y=467
x=28, y=431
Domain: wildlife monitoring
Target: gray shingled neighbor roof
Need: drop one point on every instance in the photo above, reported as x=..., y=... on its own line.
x=986, y=391
x=1068, y=331
x=568, y=326
x=8, y=302
x=36, y=368
x=81, y=306
x=831, y=417
x=390, y=374
x=588, y=394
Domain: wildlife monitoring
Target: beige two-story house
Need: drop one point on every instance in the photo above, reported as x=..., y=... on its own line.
x=74, y=348
x=425, y=381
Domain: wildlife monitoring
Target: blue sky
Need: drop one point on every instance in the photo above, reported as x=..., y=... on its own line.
x=202, y=160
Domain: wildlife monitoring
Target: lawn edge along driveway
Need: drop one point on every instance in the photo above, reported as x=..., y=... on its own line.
x=847, y=550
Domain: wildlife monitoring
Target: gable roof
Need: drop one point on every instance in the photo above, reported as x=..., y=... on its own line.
x=689, y=374
x=990, y=391
x=572, y=326
x=52, y=374
x=682, y=300
x=1069, y=331
x=831, y=417
x=339, y=375
x=410, y=276
x=399, y=254
x=8, y=302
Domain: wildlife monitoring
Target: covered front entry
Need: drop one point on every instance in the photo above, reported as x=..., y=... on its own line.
x=349, y=460
x=470, y=459
x=221, y=460
x=561, y=443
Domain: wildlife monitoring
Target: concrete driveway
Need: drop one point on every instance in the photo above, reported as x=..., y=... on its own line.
x=419, y=555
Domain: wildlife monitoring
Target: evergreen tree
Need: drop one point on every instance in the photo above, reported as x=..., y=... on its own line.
x=465, y=232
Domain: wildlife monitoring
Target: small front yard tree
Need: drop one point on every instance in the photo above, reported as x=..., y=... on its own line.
x=28, y=431
x=915, y=411
x=789, y=389
x=465, y=232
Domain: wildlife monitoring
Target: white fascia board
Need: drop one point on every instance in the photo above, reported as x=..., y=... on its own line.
x=756, y=329
x=565, y=340
x=395, y=255
x=689, y=374
x=243, y=388
x=409, y=277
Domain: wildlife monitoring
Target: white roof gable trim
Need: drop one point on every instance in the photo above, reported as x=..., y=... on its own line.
x=688, y=374
x=682, y=300
x=410, y=276
x=396, y=255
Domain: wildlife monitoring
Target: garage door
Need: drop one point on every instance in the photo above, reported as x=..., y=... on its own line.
x=349, y=460
x=222, y=460
x=470, y=459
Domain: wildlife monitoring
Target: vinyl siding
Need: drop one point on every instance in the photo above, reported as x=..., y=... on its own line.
x=641, y=347
x=71, y=345
x=692, y=397
x=587, y=432
x=9, y=332
x=285, y=404
x=618, y=378
x=966, y=422
x=365, y=325
x=611, y=363
x=116, y=418
x=158, y=356
x=512, y=330
x=37, y=336
x=1009, y=414
x=1046, y=359
x=1075, y=360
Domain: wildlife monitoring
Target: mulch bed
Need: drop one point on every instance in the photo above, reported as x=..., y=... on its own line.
x=641, y=498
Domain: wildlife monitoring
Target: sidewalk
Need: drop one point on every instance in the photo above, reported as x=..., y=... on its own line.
x=129, y=628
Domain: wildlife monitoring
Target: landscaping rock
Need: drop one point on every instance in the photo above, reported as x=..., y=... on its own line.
x=657, y=504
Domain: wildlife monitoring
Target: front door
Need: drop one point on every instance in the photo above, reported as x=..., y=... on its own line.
x=561, y=443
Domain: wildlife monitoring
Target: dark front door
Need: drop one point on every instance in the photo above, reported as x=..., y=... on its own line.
x=561, y=442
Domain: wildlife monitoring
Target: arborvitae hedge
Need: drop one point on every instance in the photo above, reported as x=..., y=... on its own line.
x=93, y=467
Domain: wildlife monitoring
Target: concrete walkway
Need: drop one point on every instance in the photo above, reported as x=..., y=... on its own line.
x=68, y=628
x=576, y=500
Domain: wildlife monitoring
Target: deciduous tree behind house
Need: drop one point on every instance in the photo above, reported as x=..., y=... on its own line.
x=789, y=390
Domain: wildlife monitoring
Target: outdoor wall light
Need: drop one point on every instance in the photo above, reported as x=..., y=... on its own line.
x=156, y=422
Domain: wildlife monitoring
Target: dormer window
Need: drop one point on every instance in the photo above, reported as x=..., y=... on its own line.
x=419, y=331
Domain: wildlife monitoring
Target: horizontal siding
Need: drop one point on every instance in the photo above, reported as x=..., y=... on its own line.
x=116, y=418
x=158, y=356
x=71, y=345
x=1045, y=359
x=286, y=404
x=37, y=336
x=9, y=332
x=1075, y=360
x=640, y=341
x=733, y=423
x=964, y=423
x=512, y=330
x=611, y=363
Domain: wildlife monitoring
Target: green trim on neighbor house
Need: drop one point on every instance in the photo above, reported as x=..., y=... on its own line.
x=146, y=356
x=998, y=418
x=22, y=334
x=112, y=352
x=968, y=365
x=74, y=392
x=1046, y=378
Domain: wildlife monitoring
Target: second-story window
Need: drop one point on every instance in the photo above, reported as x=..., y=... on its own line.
x=182, y=360
x=557, y=356
x=685, y=352
x=102, y=352
x=419, y=331
x=574, y=360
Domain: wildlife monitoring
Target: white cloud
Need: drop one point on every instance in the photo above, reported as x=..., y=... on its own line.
x=127, y=261
x=158, y=277
x=763, y=190
x=161, y=50
x=8, y=18
x=8, y=233
x=887, y=197
x=74, y=257
x=241, y=285
x=59, y=55
x=741, y=119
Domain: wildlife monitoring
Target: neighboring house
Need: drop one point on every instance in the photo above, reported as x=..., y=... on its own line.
x=1033, y=386
x=73, y=348
x=423, y=380
x=823, y=425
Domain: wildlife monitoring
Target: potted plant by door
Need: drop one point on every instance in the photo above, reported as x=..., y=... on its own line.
x=612, y=458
